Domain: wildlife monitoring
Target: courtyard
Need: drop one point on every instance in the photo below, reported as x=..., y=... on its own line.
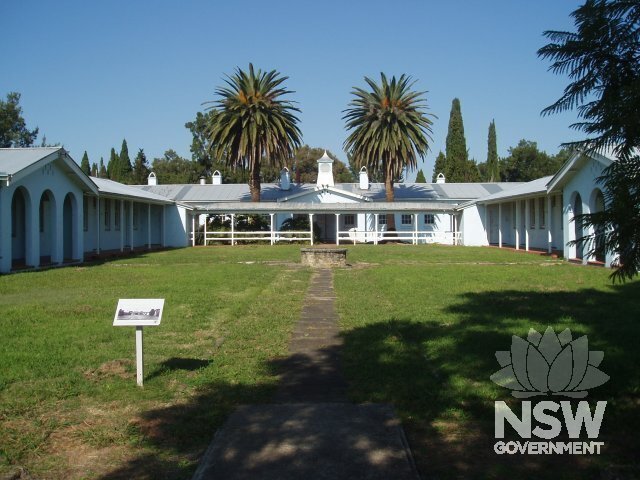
x=420, y=327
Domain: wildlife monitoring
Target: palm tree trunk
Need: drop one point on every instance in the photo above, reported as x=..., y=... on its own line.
x=388, y=187
x=254, y=181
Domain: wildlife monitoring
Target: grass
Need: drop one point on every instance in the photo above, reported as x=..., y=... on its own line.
x=421, y=325
x=67, y=381
x=421, y=328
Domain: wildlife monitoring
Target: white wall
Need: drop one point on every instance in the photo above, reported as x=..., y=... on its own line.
x=51, y=242
x=472, y=226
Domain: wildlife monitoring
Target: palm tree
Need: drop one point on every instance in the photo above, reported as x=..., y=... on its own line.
x=390, y=128
x=252, y=123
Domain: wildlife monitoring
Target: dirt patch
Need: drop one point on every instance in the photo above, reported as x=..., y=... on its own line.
x=121, y=367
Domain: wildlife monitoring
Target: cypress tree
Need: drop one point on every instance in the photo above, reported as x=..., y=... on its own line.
x=439, y=167
x=124, y=163
x=102, y=173
x=113, y=167
x=84, y=164
x=140, y=169
x=456, y=148
x=493, y=167
x=420, y=177
x=94, y=169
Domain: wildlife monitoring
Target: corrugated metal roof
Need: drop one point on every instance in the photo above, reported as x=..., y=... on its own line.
x=534, y=187
x=13, y=160
x=270, y=192
x=110, y=187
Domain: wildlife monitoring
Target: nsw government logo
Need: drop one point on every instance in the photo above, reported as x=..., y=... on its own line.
x=551, y=366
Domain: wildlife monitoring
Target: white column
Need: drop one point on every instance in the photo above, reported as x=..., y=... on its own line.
x=548, y=221
x=204, y=240
x=499, y=225
x=517, y=206
x=122, y=225
x=5, y=235
x=273, y=234
x=148, y=226
x=337, y=229
x=131, y=207
x=32, y=232
x=193, y=230
x=163, y=225
x=415, y=229
x=98, y=223
x=311, y=226
x=233, y=228
x=375, y=228
x=455, y=229
x=527, y=223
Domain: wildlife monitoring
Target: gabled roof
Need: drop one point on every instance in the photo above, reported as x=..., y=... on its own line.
x=109, y=187
x=17, y=163
x=572, y=166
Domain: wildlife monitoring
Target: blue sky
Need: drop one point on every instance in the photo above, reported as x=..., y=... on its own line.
x=93, y=73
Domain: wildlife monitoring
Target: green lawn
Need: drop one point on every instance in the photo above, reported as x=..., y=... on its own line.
x=67, y=376
x=421, y=325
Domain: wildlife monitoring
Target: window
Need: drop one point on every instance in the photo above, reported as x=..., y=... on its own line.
x=543, y=212
x=532, y=213
x=382, y=219
x=85, y=214
x=349, y=220
x=116, y=220
x=107, y=214
x=406, y=219
x=429, y=219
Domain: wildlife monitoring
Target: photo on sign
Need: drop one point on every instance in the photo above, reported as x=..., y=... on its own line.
x=138, y=312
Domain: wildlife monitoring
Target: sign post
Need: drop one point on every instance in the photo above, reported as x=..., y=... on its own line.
x=139, y=313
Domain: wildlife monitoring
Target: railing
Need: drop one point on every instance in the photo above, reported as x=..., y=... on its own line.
x=205, y=238
x=415, y=237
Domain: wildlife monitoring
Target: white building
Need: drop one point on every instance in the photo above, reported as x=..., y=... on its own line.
x=51, y=213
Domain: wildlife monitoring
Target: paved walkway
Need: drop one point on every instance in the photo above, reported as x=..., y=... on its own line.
x=312, y=432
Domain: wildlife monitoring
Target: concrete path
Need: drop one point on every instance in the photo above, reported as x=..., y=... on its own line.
x=311, y=432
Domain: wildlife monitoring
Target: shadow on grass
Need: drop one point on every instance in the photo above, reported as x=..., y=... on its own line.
x=437, y=376
x=179, y=433
x=178, y=363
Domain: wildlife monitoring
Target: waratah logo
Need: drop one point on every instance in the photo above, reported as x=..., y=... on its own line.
x=549, y=364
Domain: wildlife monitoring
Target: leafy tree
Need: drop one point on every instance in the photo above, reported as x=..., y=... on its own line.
x=13, y=129
x=141, y=170
x=173, y=169
x=84, y=164
x=493, y=164
x=305, y=166
x=102, y=173
x=456, y=146
x=601, y=57
x=253, y=124
x=389, y=129
x=525, y=163
x=94, y=169
x=420, y=178
x=439, y=166
x=201, y=153
x=124, y=163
